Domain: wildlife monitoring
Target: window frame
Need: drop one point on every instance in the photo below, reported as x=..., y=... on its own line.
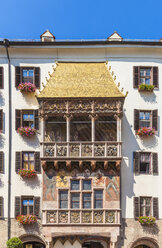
x=145, y=162
x=145, y=120
x=98, y=189
x=28, y=68
x=23, y=152
x=26, y=198
x=144, y=206
x=145, y=76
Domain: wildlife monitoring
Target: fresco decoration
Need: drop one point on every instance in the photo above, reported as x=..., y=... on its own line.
x=98, y=216
x=112, y=188
x=62, y=179
x=98, y=179
x=49, y=184
x=80, y=238
x=51, y=217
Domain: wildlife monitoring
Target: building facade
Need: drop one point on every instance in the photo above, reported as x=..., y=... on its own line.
x=89, y=163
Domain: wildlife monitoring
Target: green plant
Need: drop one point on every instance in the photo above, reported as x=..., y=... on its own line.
x=146, y=87
x=27, y=173
x=147, y=220
x=14, y=243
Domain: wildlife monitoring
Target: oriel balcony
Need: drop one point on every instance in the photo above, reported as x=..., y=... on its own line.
x=81, y=137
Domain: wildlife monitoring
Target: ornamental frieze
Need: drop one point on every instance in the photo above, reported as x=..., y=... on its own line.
x=50, y=107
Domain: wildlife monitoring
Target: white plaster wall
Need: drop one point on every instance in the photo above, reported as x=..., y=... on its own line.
x=121, y=61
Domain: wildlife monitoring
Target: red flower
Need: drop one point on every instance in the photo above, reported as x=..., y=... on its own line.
x=27, y=173
x=26, y=219
x=27, y=87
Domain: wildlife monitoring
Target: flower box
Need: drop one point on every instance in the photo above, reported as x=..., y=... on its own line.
x=26, y=219
x=146, y=131
x=146, y=87
x=147, y=220
x=26, y=131
x=27, y=87
x=27, y=173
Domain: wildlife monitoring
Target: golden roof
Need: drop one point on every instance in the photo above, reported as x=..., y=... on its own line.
x=80, y=80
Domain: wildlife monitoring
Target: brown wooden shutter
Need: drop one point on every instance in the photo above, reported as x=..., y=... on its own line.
x=17, y=119
x=136, y=76
x=1, y=77
x=136, y=119
x=37, y=162
x=1, y=119
x=155, y=119
x=36, y=119
x=1, y=207
x=136, y=207
x=155, y=163
x=18, y=75
x=17, y=206
x=37, y=76
x=1, y=162
x=18, y=161
x=136, y=162
x=37, y=206
x=155, y=76
x=156, y=207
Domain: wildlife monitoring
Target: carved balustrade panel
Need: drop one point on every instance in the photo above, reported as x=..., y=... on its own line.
x=112, y=150
x=98, y=216
x=86, y=150
x=61, y=150
x=49, y=150
x=63, y=217
x=52, y=217
x=75, y=217
x=87, y=217
x=99, y=150
x=110, y=216
x=74, y=150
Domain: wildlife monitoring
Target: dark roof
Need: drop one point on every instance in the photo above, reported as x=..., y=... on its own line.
x=83, y=42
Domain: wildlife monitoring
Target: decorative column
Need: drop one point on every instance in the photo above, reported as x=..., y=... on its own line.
x=93, y=119
x=68, y=118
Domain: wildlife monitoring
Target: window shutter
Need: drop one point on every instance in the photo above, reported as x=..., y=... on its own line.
x=155, y=163
x=37, y=162
x=36, y=119
x=136, y=161
x=156, y=207
x=1, y=207
x=155, y=76
x=18, y=161
x=1, y=162
x=136, y=207
x=136, y=76
x=18, y=76
x=37, y=76
x=1, y=78
x=17, y=206
x=136, y=119
x=155, y=119
x=37, y=206
x=18, y=119
x=1, y=119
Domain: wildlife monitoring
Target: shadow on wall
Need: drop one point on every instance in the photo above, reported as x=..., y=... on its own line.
x=32, y=141
x=2, y=100
x=33, y=183
x=148, y=98
x=129, y=145
x=30, y=99
x=2, y=141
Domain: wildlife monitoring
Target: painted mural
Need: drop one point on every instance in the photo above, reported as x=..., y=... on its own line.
x=49, y=184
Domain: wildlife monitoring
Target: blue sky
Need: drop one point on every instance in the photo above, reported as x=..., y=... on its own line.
x=81, y=19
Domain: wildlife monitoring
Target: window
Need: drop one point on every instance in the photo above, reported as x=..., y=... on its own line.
x=145, y=206
x=28, y=75
x=1, y=77
x=145, y=163
x=28, y=160
x=145, y=118
x=27, y=206
x=63, y=199
x=1, y=206
x=55, y=129
x=98, y=199
x=80, y=129
x=80, y=195
x=27, y=118
x=106, y=129
x=145, y=75
x=1, y=162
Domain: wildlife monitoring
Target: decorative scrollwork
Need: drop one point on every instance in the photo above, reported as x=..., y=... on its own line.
x=63, y=217
x=112, y=150
x=86, y=150
x=74, y=150
x=75, y=217
x=61, y=150
x=110, y=217
x=87, y=217
x=98, y=217
x=49, y=151
x=99, y=150
x=51, y=217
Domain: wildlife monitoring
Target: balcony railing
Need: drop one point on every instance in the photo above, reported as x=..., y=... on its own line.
x=111, y=149
x=84, y=217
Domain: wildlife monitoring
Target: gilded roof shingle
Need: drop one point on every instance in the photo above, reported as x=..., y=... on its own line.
x=80, y=80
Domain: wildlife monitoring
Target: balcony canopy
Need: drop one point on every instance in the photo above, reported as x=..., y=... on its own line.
x=81, y=80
